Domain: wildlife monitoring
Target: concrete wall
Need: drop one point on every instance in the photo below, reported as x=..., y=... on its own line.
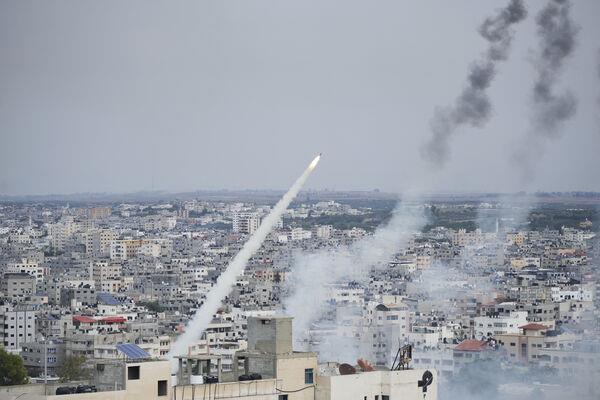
x=257, y=390
x=146, y=387
x=264, y=364
x=271, y=335
x=114, y=395
x=290, y=374
x=32, y=391
x=395, y=384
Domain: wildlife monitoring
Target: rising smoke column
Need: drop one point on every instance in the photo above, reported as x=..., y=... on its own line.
x=312, y=272
x=215, y=297
x=598, y=69
x=557, y=40
x=557, y=33
x=473, y=106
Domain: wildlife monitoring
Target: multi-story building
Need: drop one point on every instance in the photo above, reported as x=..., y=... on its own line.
x=527, y=345
x=106, y=276
x=99, y=212
x=61, y=232
x=27, y=266
x=17, y=326
x=386, y=326
x=83, y=294
x=323, y=231
x=125, y=249
x=493, y=324
x=33, y=354
x=17, y=286
x=244, y=222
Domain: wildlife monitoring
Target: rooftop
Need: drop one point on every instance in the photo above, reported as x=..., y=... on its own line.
x=472, y=345
x=533, y=327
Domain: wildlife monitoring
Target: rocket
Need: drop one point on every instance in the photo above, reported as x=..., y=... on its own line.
x=315, y=161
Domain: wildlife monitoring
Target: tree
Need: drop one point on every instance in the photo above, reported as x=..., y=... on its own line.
x=73, y=369
x=153, y=306
x=12, y=370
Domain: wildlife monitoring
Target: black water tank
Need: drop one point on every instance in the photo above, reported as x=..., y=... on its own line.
x=65, y=390
x=85, y=389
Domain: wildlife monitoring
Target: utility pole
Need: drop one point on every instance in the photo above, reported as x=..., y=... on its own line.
x=45, y=365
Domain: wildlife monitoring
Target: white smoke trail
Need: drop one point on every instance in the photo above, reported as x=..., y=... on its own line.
x=312, y=272
x=215, y=297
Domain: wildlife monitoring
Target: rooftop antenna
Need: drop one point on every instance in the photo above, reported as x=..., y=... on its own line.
x=403, y=358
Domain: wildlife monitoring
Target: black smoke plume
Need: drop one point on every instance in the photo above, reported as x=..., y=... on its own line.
x=557, y=33
x=598, y=69
x=473, y=106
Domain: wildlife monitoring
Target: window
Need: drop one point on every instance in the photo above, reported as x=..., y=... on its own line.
x=283, y=397
x=162, y=388
x=133, y=373
x=308, y=376
x=385, y=397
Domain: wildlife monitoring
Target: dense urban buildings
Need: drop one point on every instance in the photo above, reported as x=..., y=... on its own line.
x=111, y=286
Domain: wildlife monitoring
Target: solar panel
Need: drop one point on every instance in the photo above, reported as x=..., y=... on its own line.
x=132, y=351
x=108, y=299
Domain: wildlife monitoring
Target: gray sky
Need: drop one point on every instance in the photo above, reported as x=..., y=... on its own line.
x=103, y=95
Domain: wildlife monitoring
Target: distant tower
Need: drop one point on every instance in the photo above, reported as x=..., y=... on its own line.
x=497, y=225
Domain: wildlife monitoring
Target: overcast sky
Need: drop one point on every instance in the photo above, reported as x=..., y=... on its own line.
x=121, y=96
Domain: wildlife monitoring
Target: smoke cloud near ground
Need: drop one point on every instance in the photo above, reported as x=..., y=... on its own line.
x=557, y=33
x=496, y=376
x=312, y=272
x=226, y=280
x=473, y=106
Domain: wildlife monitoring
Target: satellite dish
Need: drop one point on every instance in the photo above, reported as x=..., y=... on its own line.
x=346, y=369
x=426, y=380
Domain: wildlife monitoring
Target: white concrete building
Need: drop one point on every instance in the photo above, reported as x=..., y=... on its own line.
x=576, y=292
x=345, y=294
x=27, y=266
x=300, y=234
x=323, y=231
x=17, y=326
x=245, y=222
x=377, y=385
x=386, y=326
x=491, y=325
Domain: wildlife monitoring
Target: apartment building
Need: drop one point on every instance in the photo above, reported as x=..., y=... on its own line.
x=494, y=324
x=18, y=286
x=27, y=266
x=17, y=326
x=244, y=222
x=527, y=345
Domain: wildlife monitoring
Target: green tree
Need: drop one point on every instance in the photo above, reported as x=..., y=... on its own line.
x=12, y=370
x=153, y=306
x=73, y=369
